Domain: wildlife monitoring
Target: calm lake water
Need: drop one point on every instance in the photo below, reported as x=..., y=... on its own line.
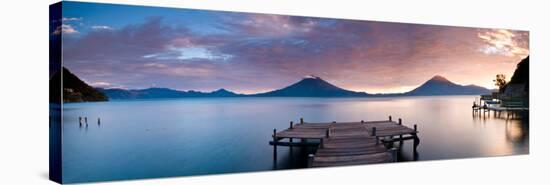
x=178, y=137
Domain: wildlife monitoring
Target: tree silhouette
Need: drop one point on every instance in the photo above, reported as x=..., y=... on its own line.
x=500, y=82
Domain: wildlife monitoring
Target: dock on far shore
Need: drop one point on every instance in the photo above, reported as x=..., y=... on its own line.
x=347, y=143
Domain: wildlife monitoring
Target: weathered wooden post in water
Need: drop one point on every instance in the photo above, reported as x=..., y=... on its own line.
x=310, y=160
x=374, y=134
x=98, y=121
x=80, y=121
x=290, y=139
x=390, y=118
x=394, y=154
x=416, y=142
x=275, y=146
x=301, y=120
x=401, y=135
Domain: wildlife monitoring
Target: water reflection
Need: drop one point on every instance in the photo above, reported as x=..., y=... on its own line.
x=138, y=139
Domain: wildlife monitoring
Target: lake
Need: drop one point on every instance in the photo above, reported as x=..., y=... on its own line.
x=197, y=136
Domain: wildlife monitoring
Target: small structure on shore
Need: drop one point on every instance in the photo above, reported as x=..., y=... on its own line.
x=513, y=101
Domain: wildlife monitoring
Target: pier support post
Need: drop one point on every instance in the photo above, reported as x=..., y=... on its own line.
x=400, y=136
x=415, y=144
x=310, y=160
x=394, y=154
x=374, y=134
x=275, y=146
x=291, y=124
x=390, y=118
x=98, y=121
x=400, y=141
x=301, y=120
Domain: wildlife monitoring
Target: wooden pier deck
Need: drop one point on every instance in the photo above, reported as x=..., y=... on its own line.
x=347, y=143
x=497, y=110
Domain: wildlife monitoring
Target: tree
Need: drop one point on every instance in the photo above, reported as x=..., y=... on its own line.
x=500, y=82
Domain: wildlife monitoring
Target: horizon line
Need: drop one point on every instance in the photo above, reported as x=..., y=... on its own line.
x=259, y=92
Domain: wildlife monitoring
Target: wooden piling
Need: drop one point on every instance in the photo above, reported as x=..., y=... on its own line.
x=374, y=134
x=400, y=121
x=98, y=121
x=301, y=120
x=394, y=154
x=275, y=145
x=310, y=160
x=416, y=141
x=291, y=124
x=362, y=121
x=390, y=118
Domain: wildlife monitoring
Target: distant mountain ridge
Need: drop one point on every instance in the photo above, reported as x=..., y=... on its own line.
x=153, y=93
x=312, y=86
x=309, y=86
x=439, y=85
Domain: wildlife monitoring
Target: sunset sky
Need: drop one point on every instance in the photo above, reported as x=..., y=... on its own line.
x=137, y=47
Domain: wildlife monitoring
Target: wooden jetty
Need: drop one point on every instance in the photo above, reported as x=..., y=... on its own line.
x=347, y=143
x=485, y=106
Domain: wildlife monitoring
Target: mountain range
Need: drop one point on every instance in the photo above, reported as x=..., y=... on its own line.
x=309, y=86
x=152, y=93
x=76, y=90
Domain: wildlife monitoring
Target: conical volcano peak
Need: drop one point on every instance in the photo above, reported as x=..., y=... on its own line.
x=311, y=77
x=313, y=86
x=439, y=78
x=221, y=90
x=439, y=85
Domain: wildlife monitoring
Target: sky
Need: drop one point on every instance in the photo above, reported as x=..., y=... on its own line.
x=136, y=47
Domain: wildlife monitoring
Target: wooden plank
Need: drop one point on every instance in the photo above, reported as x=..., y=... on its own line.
x=280, y=143
x=312, y=125
x=352, y=160
x=350, y=152
x=301, y=135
